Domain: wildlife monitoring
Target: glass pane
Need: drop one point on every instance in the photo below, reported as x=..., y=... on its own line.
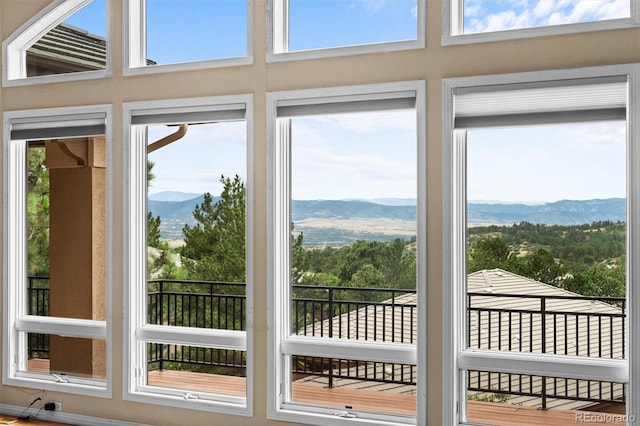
x=66, y=358
x=354, y=226
x=195, y=30
x=78, y=44
x=315, y=24
x=197, y=369
x=354, y=385
x=506, y=399
x=196, y=226
x=495, y=15
x=66, y=228
x=546, y=239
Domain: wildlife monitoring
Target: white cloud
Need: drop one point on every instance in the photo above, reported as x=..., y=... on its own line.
x=499, y=15
x=353, y=156
x=547, y=163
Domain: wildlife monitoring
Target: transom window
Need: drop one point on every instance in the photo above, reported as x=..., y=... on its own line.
x=66, y=41
x=302, y=28
x=480, y=20
x=201, y=33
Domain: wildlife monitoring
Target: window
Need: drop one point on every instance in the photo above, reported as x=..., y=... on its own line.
x=306, y=29
x=535, y=311
x=201, y=34
x=477, y=21
x=56, y=262
x=189, y=253
x=347, y=236
x=67, y=40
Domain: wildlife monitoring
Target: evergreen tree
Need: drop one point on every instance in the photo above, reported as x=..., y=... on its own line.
x=214, y=247
x=37, y=213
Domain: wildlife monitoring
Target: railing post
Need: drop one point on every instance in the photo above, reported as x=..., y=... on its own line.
x=330, y=335
x=543, y=314
x=160, y=315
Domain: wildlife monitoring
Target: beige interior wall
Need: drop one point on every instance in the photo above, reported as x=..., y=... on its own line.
x=431, y=64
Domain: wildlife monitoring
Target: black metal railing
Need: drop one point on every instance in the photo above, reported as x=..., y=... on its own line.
x=564, y=325
x=218, y=305
x=354, y=313
x=549, y=324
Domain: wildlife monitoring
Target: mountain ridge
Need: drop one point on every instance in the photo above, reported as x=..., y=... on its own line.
x=340, y=216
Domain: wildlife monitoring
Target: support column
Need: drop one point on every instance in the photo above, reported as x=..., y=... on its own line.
x=77, y=249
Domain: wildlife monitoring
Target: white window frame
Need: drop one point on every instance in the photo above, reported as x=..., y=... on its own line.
x=278, y=37
x=14, y=48
x=136, y=330
x=16, y=320
x=281, y=345
x=135, y=45
x=455, y=357
x=453, y=19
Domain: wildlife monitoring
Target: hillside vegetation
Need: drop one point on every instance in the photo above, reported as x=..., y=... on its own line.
x=587, y=259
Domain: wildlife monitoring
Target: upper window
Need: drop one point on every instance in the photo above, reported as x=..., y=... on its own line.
x=348, y=307
x=479, y=20
x=540, y=227
x=189, y=276
x=303, y=28
x=193, y=32
x=67, y=40
x=56, y=283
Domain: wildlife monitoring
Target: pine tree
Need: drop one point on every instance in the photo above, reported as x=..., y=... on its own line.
x=214, y=247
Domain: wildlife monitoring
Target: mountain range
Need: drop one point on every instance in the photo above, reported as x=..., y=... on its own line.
x=349, y=220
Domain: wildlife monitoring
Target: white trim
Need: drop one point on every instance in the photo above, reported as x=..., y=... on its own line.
x=14, y=48
x=135, y=48
x=400, y=353
x=452, y=26
x=281, y=344
x=537, y=364
x=633, y=239
x=191, y=336
x=16, y=320
x=67, y=327
x=278, y=37
x=455, y=357
x=63, y=417
x=136, y=331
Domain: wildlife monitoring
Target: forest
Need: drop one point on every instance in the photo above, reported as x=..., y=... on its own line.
x=586, y=259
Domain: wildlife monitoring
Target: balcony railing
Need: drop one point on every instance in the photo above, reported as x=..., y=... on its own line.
x=564, y=325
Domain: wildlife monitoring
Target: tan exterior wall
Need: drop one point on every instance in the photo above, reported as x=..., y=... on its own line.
x=431, y=63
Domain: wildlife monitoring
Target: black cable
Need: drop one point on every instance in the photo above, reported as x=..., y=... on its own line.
x=22, y=416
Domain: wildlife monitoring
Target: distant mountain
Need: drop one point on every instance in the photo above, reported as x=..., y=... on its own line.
x=173, y=196
x=565, y=212
x=341, y=209
x=348, y=220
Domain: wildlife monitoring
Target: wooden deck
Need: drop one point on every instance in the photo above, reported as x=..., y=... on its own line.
x=362, y=400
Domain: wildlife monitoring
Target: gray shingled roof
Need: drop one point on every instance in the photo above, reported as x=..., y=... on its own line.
x=68, y=46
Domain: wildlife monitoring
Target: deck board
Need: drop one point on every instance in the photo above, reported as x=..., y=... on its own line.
x=360, y=399
x=509, y=415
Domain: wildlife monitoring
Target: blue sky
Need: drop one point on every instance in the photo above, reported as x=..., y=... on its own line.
x=373, y=156
x=547, y=163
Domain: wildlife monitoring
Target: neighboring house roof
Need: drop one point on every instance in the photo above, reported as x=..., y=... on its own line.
x=572, y=325
x=67, y=49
